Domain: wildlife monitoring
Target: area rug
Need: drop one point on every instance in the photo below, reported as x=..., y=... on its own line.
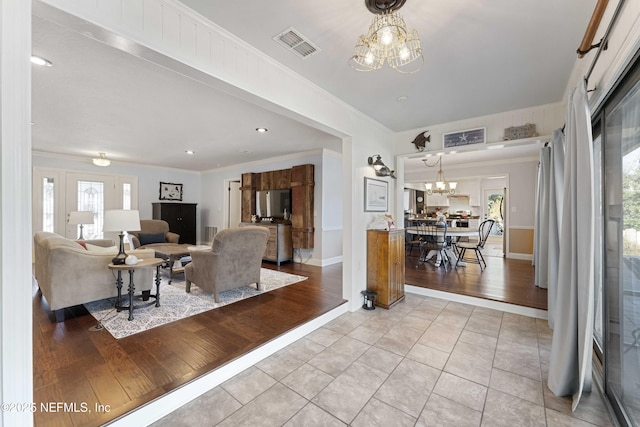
x=176, y=304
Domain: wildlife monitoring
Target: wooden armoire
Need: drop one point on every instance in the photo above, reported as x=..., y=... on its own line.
x=385, y=266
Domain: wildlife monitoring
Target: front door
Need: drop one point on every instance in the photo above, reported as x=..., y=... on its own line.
x=56, y=193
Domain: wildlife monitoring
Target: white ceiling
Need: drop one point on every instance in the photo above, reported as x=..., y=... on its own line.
x=480, y=58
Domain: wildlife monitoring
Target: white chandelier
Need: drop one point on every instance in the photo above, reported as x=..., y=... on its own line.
x=387, y=40
x=441, y=185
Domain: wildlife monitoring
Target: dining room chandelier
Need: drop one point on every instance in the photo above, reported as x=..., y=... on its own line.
x=387, y=40
x=441, y=185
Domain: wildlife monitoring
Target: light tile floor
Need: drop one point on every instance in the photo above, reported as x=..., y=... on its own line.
x=424, y=362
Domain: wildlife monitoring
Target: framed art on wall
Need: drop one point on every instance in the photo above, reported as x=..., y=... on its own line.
x=464, y=137
x=376, y=195
x=170, y=191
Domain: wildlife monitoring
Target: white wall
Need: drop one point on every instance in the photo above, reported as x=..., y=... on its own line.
x=332, y=207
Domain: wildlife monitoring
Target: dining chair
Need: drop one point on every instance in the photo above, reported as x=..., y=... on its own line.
x=434, y=240
x=412, y=240
x=483, y=234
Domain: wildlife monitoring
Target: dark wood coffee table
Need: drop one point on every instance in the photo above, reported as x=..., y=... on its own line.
x=172, y=253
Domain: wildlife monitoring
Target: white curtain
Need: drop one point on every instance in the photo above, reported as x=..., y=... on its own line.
x=555, y=217
x=547, y=219
x=541, y=228
x=570, y=363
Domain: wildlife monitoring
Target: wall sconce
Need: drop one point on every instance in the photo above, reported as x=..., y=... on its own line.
x=380, y=168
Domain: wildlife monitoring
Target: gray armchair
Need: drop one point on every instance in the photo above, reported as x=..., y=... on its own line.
x=153, y=231
x=234, y=261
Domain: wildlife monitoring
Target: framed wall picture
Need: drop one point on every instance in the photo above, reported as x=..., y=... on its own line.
x=170, y=191
x=464, y=137
x=376, y=195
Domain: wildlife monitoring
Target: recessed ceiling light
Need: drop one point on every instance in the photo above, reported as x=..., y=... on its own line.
x=190, y=152
x=38, y=60
x=261, y=130
x=402, y=98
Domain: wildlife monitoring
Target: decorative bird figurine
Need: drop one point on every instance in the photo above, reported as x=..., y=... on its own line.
x=420, y=141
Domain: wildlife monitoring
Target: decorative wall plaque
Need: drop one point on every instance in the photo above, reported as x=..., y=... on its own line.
x=170, y=191
x=464, y=137
x=519, y=132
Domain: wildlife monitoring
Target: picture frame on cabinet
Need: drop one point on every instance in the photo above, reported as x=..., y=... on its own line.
x=170, y=191
x=464, y=137
x=376, y=195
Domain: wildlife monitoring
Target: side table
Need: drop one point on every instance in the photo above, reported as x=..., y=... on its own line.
x=144, y=263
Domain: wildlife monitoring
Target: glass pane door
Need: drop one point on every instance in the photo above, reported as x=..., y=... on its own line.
x=93, y=193
x=622, y=283
x=598, y=331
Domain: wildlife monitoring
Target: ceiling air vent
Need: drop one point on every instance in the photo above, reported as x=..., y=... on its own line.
x=292, y=40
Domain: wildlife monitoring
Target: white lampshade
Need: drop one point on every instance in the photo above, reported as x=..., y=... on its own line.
x=80, y=217
x=121, y=220
x=453, y=185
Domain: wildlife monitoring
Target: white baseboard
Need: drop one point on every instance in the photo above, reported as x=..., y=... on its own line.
x=324, y=262
x=480, y=302
x=515, y=255
x=153, y=411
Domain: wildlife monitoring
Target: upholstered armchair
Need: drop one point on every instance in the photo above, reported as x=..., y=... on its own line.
x=153, y=231
x=234, y=261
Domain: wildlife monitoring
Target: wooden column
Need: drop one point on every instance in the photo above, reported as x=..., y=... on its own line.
x=302, y=185
x=248, y=189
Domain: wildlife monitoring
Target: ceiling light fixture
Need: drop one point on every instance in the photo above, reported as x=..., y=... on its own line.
x=38, y=60
x=190, y=152
x=441, y=185
x=387, y=40
x=380, y=168
x=262, y=130
x=101, y=160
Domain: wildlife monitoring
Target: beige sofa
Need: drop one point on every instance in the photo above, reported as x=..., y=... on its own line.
x=153, y=227
x=68, y=274
x=234, y=260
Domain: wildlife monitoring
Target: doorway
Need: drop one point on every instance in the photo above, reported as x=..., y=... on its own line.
x=233, y=212
x=493, y=207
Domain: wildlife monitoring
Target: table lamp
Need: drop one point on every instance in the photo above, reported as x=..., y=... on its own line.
x=121, y=220
x=80, y=218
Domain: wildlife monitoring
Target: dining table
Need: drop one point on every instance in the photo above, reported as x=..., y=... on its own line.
x=451, y=232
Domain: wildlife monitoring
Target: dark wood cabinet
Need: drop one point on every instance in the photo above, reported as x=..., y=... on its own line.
x=385, y=266
x=181, y=218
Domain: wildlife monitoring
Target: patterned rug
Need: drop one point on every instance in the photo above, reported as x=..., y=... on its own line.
x=176, y=304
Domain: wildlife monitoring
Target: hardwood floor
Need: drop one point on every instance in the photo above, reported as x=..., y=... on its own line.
x=73, y=364
x=505, y=280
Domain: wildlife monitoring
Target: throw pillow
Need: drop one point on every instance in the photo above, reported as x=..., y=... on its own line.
x=83, y=244
x=147, y=238
x=101, y=249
